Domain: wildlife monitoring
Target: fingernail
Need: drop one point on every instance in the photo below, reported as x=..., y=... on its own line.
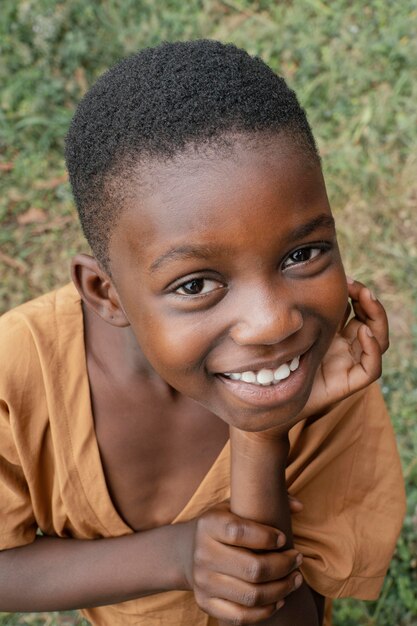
x=369, y=332
x=372, y=295
x=299, y=559
x=297, y=581
x=349, y=280
x=280, y=540
x=280, y=604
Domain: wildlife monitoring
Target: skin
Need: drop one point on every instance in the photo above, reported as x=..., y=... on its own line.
x=240, y=215
x=155, y=356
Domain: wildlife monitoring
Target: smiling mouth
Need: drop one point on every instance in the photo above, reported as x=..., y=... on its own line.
x=265, y=377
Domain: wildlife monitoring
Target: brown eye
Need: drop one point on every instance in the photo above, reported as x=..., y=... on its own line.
x=194, y=287
x=301, y=256
x=198, y=287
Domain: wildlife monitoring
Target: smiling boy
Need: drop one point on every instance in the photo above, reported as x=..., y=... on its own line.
x=214, y=305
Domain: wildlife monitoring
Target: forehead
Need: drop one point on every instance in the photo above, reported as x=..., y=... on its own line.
x=213, y=197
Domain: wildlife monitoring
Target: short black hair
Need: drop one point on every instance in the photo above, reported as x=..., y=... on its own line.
x=156, y=103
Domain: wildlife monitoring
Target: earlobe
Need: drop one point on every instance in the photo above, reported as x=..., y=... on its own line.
x=97, y=290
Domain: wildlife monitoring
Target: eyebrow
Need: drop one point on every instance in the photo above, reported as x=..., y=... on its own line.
x=321, y=221
x=204, y=252
x=185, y=252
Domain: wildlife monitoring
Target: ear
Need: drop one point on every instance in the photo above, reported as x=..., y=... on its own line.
x=97, y=290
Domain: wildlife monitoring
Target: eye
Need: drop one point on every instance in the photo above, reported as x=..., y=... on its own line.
x=198, y=287
x=302, y=255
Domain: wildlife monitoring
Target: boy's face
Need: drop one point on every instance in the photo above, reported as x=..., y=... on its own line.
x=228, y=271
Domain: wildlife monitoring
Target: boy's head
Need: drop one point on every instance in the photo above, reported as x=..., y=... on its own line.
x=160, y=102
x=200, y=190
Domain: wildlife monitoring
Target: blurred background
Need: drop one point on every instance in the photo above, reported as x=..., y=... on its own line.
x=353, y=66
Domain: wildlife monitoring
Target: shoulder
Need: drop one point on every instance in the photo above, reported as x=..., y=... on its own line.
x=29, y=333
x=39, y=311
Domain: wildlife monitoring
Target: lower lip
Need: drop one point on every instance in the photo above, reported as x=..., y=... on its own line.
x=269, y=396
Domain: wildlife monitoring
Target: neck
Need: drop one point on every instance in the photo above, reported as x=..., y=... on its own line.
x=116, y=352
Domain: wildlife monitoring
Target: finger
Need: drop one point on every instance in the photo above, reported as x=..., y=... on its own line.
x=376, y=317
x=370, y=311
x=356, y=292
x=226, y=611
x=295, y=505
x=233, y=530
x=244, y=564
x=368, y=368
x=250, y=595
x=354, y=288
x=372, y=314
x=350, y=331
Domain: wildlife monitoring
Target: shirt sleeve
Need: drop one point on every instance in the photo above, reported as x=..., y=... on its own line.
x=17, y=522
x=345, y=469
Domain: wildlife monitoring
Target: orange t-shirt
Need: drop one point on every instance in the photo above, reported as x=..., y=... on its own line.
x=344, y=467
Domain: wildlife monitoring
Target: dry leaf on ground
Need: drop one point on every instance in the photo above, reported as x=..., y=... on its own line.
x=33, y=215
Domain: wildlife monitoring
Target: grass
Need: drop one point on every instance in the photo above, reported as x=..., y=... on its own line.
x=67, y=618
x=352, y=65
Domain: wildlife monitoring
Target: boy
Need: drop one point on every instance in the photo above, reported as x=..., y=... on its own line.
x=215, y=303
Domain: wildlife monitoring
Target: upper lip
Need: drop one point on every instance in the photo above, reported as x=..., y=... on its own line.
x=269, y=365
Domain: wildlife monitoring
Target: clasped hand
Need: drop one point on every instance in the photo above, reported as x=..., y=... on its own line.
x=239, y=574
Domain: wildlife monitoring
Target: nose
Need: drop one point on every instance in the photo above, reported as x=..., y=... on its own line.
x=266, y=319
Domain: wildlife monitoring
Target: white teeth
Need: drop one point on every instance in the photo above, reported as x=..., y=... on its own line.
x=283, y=371
x=265, y=377
x=249, y=377
x=295, y=363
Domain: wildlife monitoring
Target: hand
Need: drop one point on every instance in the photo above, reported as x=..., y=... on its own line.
x=238, y=573
x=353, y=360
x=295, y=505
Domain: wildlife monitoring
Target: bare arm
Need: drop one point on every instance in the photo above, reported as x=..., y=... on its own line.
x=259, y=493
x=61, y=574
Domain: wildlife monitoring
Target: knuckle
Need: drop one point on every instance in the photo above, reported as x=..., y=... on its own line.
x=256, y=570
x=211, y=520
x=199, y=556
x=233, y=530
x=201, y=525
x=200, y=578
x=251, y=598
x=201, y=599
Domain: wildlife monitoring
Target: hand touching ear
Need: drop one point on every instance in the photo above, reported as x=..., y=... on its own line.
x=353, y=360
x=368, y=310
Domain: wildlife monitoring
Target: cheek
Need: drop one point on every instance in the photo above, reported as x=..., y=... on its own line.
x=171, y=345
x=333, y=300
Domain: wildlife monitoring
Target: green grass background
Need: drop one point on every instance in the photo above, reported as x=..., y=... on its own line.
x=353, y=65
